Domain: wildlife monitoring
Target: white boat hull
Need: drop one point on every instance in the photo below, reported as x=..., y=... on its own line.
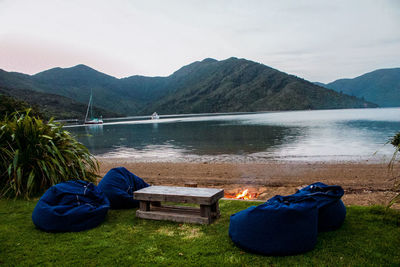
x=94, y=122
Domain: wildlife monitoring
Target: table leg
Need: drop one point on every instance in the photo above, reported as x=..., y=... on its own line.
x=205, y=211
x=144, y=205
x=215, y=210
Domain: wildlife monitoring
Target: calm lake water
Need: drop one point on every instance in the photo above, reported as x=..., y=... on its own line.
x=321, y=135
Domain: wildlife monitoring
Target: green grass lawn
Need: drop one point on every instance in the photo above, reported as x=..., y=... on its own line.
x=369, y=237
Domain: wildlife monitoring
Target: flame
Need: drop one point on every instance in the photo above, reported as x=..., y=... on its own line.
x=243, y=195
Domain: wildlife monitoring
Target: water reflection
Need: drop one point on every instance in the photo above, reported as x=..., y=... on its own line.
x=313, y=135
x=193, y=137
x=94, y=129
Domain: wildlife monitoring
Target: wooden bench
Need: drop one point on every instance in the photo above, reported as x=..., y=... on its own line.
x=150, y=199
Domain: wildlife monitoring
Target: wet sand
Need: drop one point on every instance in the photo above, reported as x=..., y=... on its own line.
x=364, y=184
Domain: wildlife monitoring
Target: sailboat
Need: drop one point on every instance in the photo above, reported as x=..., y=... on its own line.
x=154, y=116
x=92, y=120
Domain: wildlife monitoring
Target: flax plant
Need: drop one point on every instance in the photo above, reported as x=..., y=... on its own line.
x=395, y=141
x=35, y=155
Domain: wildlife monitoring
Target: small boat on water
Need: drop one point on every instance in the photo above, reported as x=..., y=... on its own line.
x=92, y=120
x=155, y=116
x=95, y=121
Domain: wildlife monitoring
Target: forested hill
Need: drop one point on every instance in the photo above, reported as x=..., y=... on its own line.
x=379, y=86
x=204, y=86
x=49, y=105
x=9, y=105
x=242, y=85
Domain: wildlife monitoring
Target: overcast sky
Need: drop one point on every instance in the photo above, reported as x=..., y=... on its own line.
x=317, y=40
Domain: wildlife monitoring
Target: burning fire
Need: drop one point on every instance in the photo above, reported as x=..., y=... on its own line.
x=244, y=194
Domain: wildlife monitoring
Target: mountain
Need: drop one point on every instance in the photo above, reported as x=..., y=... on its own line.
x=241, y=85
x=320, y=84
x=203, y=86
x=380, y=86
x=78, y=81
x=51, y=105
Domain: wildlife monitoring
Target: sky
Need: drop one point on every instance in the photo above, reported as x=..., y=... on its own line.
x=316, y=40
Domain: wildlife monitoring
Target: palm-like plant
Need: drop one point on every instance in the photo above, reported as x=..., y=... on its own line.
x=35, y=155
x=395, y=141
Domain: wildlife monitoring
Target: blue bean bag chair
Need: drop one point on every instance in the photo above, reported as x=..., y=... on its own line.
x=331, y=210
x=118, y=185
x=70, y=206
x=284, y=225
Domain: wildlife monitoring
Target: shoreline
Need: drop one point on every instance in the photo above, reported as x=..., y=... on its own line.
x=171, y=157
x=365, y=183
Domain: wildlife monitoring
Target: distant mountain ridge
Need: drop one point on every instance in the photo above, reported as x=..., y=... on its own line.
x=380, y=86
x=203, y=86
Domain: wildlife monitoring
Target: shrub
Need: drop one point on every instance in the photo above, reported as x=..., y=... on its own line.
x=395, y=141
x=35, y=155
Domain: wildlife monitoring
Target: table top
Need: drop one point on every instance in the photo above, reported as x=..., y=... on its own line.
x=206, y=196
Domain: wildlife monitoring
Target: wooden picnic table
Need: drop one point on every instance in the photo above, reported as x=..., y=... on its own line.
x=150, y=207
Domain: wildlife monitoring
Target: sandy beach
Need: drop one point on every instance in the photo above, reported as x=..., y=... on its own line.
x=364, y=183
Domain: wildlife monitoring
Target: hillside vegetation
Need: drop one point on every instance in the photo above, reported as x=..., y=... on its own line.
x=241, y=85
x=9, y=105
x=49, y=105
x=204, y=86
x=380, y=86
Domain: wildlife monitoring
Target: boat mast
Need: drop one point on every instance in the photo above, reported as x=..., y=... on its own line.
x=89, y=106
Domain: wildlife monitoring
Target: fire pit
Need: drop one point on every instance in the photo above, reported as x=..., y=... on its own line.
x=245, y=194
